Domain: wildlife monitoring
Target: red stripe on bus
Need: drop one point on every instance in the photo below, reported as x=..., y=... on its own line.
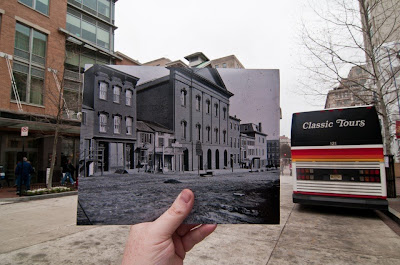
x=340, y=195
x=338, y=153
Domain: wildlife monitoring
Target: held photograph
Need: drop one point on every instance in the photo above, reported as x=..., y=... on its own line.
x=148, y=132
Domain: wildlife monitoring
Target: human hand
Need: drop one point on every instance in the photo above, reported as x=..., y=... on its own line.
x=166, y=240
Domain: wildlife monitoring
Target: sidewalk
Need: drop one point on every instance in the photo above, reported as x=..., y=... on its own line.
x=45, y=232
x=394, y=203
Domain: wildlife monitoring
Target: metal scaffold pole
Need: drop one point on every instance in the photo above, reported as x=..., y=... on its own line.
x=13, y=83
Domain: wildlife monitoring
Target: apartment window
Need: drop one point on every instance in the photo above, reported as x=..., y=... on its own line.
x=39, y=5
x=117, y=94
x=88, y=28
x=183, y=97
x=216, y=109
x=103, y=123
x=160, y=142
x=29, y=64
x=216, y=66
x=101, y=8
x=216, y=135
x=117, y=124
x=224, y=134
x=208, y=103
x=183, y=129
x=224, y=65
x=128, y=97
x=224, y=110
x=231, y=142
x=128, y=125
x=234, y=143
x=198, y=102
x=103, y=86
x=208, y=129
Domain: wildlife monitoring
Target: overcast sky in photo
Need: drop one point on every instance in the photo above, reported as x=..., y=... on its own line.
x=262, y=34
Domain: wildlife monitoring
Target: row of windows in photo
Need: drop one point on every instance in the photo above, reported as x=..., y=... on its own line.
x=147, y=138
x=253, y=152
x=117, y=126
x=198, y=104
x=199, y=133
x=103, y=92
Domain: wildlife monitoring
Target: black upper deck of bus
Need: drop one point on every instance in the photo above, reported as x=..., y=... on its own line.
x=346, y=126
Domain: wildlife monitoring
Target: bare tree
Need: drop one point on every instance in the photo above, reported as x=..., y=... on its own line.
x=58, y=101
x=56, y=116
x=362, y=33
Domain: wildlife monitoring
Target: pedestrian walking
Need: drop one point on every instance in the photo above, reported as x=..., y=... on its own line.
x=22, y=173
x=69, y=169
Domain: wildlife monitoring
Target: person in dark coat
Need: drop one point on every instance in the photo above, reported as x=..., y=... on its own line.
x=69, y=169
x=22, y=172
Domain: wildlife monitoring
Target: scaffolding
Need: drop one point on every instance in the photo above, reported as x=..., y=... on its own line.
x=13, y=83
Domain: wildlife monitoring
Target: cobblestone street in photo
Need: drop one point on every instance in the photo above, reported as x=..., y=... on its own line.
x=238, y=197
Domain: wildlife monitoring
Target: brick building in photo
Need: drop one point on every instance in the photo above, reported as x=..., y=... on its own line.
x=234, y=142
x=255, y=144
x=194, y=104
x=157, y=143
x=108, y=130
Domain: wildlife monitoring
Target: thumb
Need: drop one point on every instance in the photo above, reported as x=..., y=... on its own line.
x=170, y=220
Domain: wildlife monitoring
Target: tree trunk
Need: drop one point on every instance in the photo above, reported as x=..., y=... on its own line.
x=54, y=151
x=53, y=159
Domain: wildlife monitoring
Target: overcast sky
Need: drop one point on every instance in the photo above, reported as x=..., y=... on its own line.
x=263, y=34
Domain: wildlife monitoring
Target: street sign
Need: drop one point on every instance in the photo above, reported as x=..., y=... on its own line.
x=199, y=150
x=24, y=131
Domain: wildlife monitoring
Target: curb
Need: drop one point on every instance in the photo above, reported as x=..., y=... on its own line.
x=393, y=214
x=38, y=197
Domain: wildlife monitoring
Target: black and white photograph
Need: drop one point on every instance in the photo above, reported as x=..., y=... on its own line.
x=148, y=132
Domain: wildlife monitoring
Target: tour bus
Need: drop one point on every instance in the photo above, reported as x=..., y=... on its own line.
x=337, y=157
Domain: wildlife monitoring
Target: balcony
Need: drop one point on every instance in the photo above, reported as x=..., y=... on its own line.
x=73, y=76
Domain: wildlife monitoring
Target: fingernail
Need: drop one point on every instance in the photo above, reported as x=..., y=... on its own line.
x=185, y=196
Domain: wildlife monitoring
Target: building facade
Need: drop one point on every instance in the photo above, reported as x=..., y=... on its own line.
x=30, y=44
x=199, y=60
x=227, y=62
x=194, y=104
x=234, y=142
x=108, y=131
x=166, y=153
x=273, y=153
x=256, y=145
x=89, y=39
x=351, y=90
